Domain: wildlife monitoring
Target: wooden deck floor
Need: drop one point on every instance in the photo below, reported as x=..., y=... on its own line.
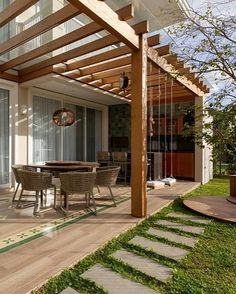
x=213, y=206
x=31, y=264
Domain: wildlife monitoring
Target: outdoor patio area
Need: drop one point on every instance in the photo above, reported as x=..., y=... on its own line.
x=35, y=248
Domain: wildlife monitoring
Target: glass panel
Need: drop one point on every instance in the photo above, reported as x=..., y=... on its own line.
x=4, y=136
x=46, y=135
x=73, y=145
x=5, y=30
x=94, y=133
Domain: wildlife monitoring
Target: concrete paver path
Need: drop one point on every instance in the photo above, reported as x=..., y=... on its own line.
x=160, y=248
x=181, y=227
x=113, y=282
x=189, y=241
x=144, y=264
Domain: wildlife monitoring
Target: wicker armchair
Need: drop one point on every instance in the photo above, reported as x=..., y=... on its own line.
x=35, y=181
x=78, y=183
x=121, y=159
x=15, y=168
x=103, y=157
x=106, y=177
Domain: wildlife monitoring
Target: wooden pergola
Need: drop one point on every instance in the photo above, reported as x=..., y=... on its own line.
x=132, y=53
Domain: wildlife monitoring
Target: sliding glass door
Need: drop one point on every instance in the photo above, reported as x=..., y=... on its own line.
x=94, y=133
x=81, y=141
x=73, y=136
x=4, y=137
x=46, y=135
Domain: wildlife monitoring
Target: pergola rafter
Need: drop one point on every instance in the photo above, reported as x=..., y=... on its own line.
x=39, y=28
x=15, y=9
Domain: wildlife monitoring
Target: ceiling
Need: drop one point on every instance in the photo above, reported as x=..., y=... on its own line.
x=74, y=89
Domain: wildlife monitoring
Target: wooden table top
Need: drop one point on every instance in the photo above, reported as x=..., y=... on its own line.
x=72, y=162
x=61, y=168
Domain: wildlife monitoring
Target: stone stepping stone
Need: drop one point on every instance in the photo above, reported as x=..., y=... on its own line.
x=160, y=248
x=189, y=241
x=193, y=218
x=144, y=265
x=69, y=290
x=182, y=227
x=113, y=282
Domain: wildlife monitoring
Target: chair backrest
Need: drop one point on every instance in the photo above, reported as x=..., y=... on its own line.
x=15, y=168
x=107, y=176
x=34, y=181
x=77, y=182
x=119, y=156
x=103, y=155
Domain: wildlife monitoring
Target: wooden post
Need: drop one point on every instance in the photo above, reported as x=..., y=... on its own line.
x=233, y=186
x=139, y=130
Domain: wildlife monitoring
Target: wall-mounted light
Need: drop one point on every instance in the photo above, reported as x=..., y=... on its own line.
x=124, y=81
x=23, y=109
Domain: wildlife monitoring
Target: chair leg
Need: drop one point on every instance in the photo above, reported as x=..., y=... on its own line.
x=98, y=189
x=37, y=204
x=13, y=199
x=112, y=196
x=94, y=204
x=18, y=202
x=67, y=203
x=87, y=199
x=55, y=197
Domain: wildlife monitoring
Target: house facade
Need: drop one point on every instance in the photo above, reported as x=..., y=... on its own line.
x=28, y=97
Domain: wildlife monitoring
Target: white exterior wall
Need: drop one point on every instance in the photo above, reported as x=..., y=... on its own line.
x=203, y=163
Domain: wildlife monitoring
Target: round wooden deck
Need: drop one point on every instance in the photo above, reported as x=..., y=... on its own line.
x=216, y=207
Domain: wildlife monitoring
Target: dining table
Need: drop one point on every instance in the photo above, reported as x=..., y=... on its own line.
x=57, y=166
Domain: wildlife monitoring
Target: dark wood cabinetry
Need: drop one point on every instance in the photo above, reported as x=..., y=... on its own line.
x=165, y=125
x=182, y=164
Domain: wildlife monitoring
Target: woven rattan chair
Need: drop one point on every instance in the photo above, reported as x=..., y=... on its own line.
x=78, y=183
x=15, y=168
x=121, y=159
x=35, y=181
x=103, y=157
x=106, y=177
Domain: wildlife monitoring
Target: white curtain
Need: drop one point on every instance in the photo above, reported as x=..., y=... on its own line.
x=94, y=133
x=74, y=135
x=4, y=136
x=46, y=135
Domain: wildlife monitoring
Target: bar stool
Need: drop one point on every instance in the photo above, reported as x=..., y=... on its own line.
x=120, y=159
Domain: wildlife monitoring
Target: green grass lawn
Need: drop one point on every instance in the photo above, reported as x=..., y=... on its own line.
x=209, y=268
x=217, y=187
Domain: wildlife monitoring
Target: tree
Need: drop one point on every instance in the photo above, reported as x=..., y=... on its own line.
x=207, y=40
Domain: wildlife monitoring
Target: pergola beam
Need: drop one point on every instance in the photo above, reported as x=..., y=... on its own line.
x=71, y=37
x=152, y=41
x=126, y=13
x=102, y=14
x=15, y=9
x=73, y=53
x=162, y=63
x=106, y=66
x=42, y=26
x=9, y=77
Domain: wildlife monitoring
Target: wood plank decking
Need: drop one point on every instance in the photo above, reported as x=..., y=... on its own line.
x=30, y=265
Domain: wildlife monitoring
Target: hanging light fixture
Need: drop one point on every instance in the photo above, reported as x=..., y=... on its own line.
x=63, y=117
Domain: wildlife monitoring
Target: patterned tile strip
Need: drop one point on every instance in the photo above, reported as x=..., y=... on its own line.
x=31, y=234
